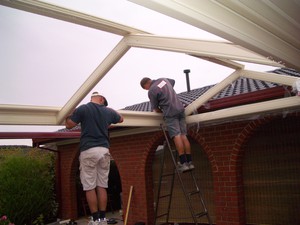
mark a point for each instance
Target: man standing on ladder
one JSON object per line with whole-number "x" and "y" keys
{"x": 163, "y": 98}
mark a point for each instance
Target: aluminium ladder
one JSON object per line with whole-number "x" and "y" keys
{"x": 188, "y": 195}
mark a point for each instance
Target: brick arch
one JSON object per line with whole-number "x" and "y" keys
{"x": 157, "y": 140}
{"x": 235, "y": 164}
{"x": 245, "y": 135}
{"x": 238, "y": 150}
{"x": 206, "y": 148}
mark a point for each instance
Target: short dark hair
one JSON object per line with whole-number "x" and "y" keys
{"x": 144, "y": 81}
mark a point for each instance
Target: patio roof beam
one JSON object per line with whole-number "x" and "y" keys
{"x": 16, "y": 115}
{"x": 215, "y": 49}
{"x": 27, "y": 115}
{"x": 223, "y": 62}
{"x": 270, "y": 77}
{"x": 269, "y": 28}
{"x": 112, "y": 58}
{"x": 212, "y": 92}
{"x": 273, "y": 106}
{"x": 140, "y": 119}
{"x": 68, "y": 15}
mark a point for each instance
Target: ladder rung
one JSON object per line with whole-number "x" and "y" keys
{"x": 161, "y": 215}
{"x": 198, "y": 215}
{"x": 186, "y": 171}
{"x": 194, "y": 192}
{"x": 164, "y": 196}
{"x": 167, "y": 174}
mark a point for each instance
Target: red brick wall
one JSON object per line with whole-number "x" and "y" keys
{"x": 134, "y": 154}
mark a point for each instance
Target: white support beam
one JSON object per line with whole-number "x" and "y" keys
{"x": 222, "y": 50}
{"x": 273, "y": 106}
{"x": 200, "y": 48}
{"x": 93, "y": 80}
{"x": 212, "y": 92}
{"x": 41, "y": 115}
{"x": 270, "y": 77}
{"x": 269, "y": 28}
{"x": 140, "y": 119}
{"x": 223, "y": 62}
{"x": 27, "y": 115}
{"x": 68, "y": 15}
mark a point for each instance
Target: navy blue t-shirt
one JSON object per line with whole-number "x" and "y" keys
{"x": 94, "y": 120}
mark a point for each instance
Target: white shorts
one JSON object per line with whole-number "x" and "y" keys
{"x": 94, "y": 167}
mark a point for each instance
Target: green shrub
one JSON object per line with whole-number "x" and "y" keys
{"x": 27, "y": 188}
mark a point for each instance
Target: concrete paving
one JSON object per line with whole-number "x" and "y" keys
{"x": 116, "y": 216}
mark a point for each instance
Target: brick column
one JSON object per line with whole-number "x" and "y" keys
{"x": 68, "y": 193}
{"x": 134, "y": 156}
{"x": 218, "y": 143}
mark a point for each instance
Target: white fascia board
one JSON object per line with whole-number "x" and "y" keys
{"x": 214, "y": 49}
{"x": 221, "y": 18}
{"x": 273, "y": 106}
{"x": 28, "y": 115}
{"x": 270, "y": 77}
{"x": 212, "y": 92}
{"x": 112, "y": 58}
{"x": 68, "y": 15}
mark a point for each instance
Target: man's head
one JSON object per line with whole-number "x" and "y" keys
{"x": 146, "y": 83}
{"x": 99, "y": 98}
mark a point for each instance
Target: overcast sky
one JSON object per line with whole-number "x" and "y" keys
{"x": 44, "y": 61}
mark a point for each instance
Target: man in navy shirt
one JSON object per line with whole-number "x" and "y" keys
{"x": 163, "y": 98}
{"x": 95, "y": 118}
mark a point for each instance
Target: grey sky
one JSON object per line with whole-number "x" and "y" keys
{"x": 44, "y": 61}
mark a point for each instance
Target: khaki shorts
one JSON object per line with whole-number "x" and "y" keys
{"x": 94, "y": 168}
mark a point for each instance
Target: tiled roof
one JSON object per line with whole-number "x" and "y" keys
{"x": 240, "y": 86}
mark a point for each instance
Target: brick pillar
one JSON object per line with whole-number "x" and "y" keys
{"x": 218, "y": 143}
{"x": 68, "y": 164}
{"x": 134, "y": 155}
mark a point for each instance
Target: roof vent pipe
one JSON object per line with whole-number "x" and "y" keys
{"x": 187, "y": 79}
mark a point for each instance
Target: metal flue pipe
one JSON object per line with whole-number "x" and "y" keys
{"x": 187, "y": 71}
